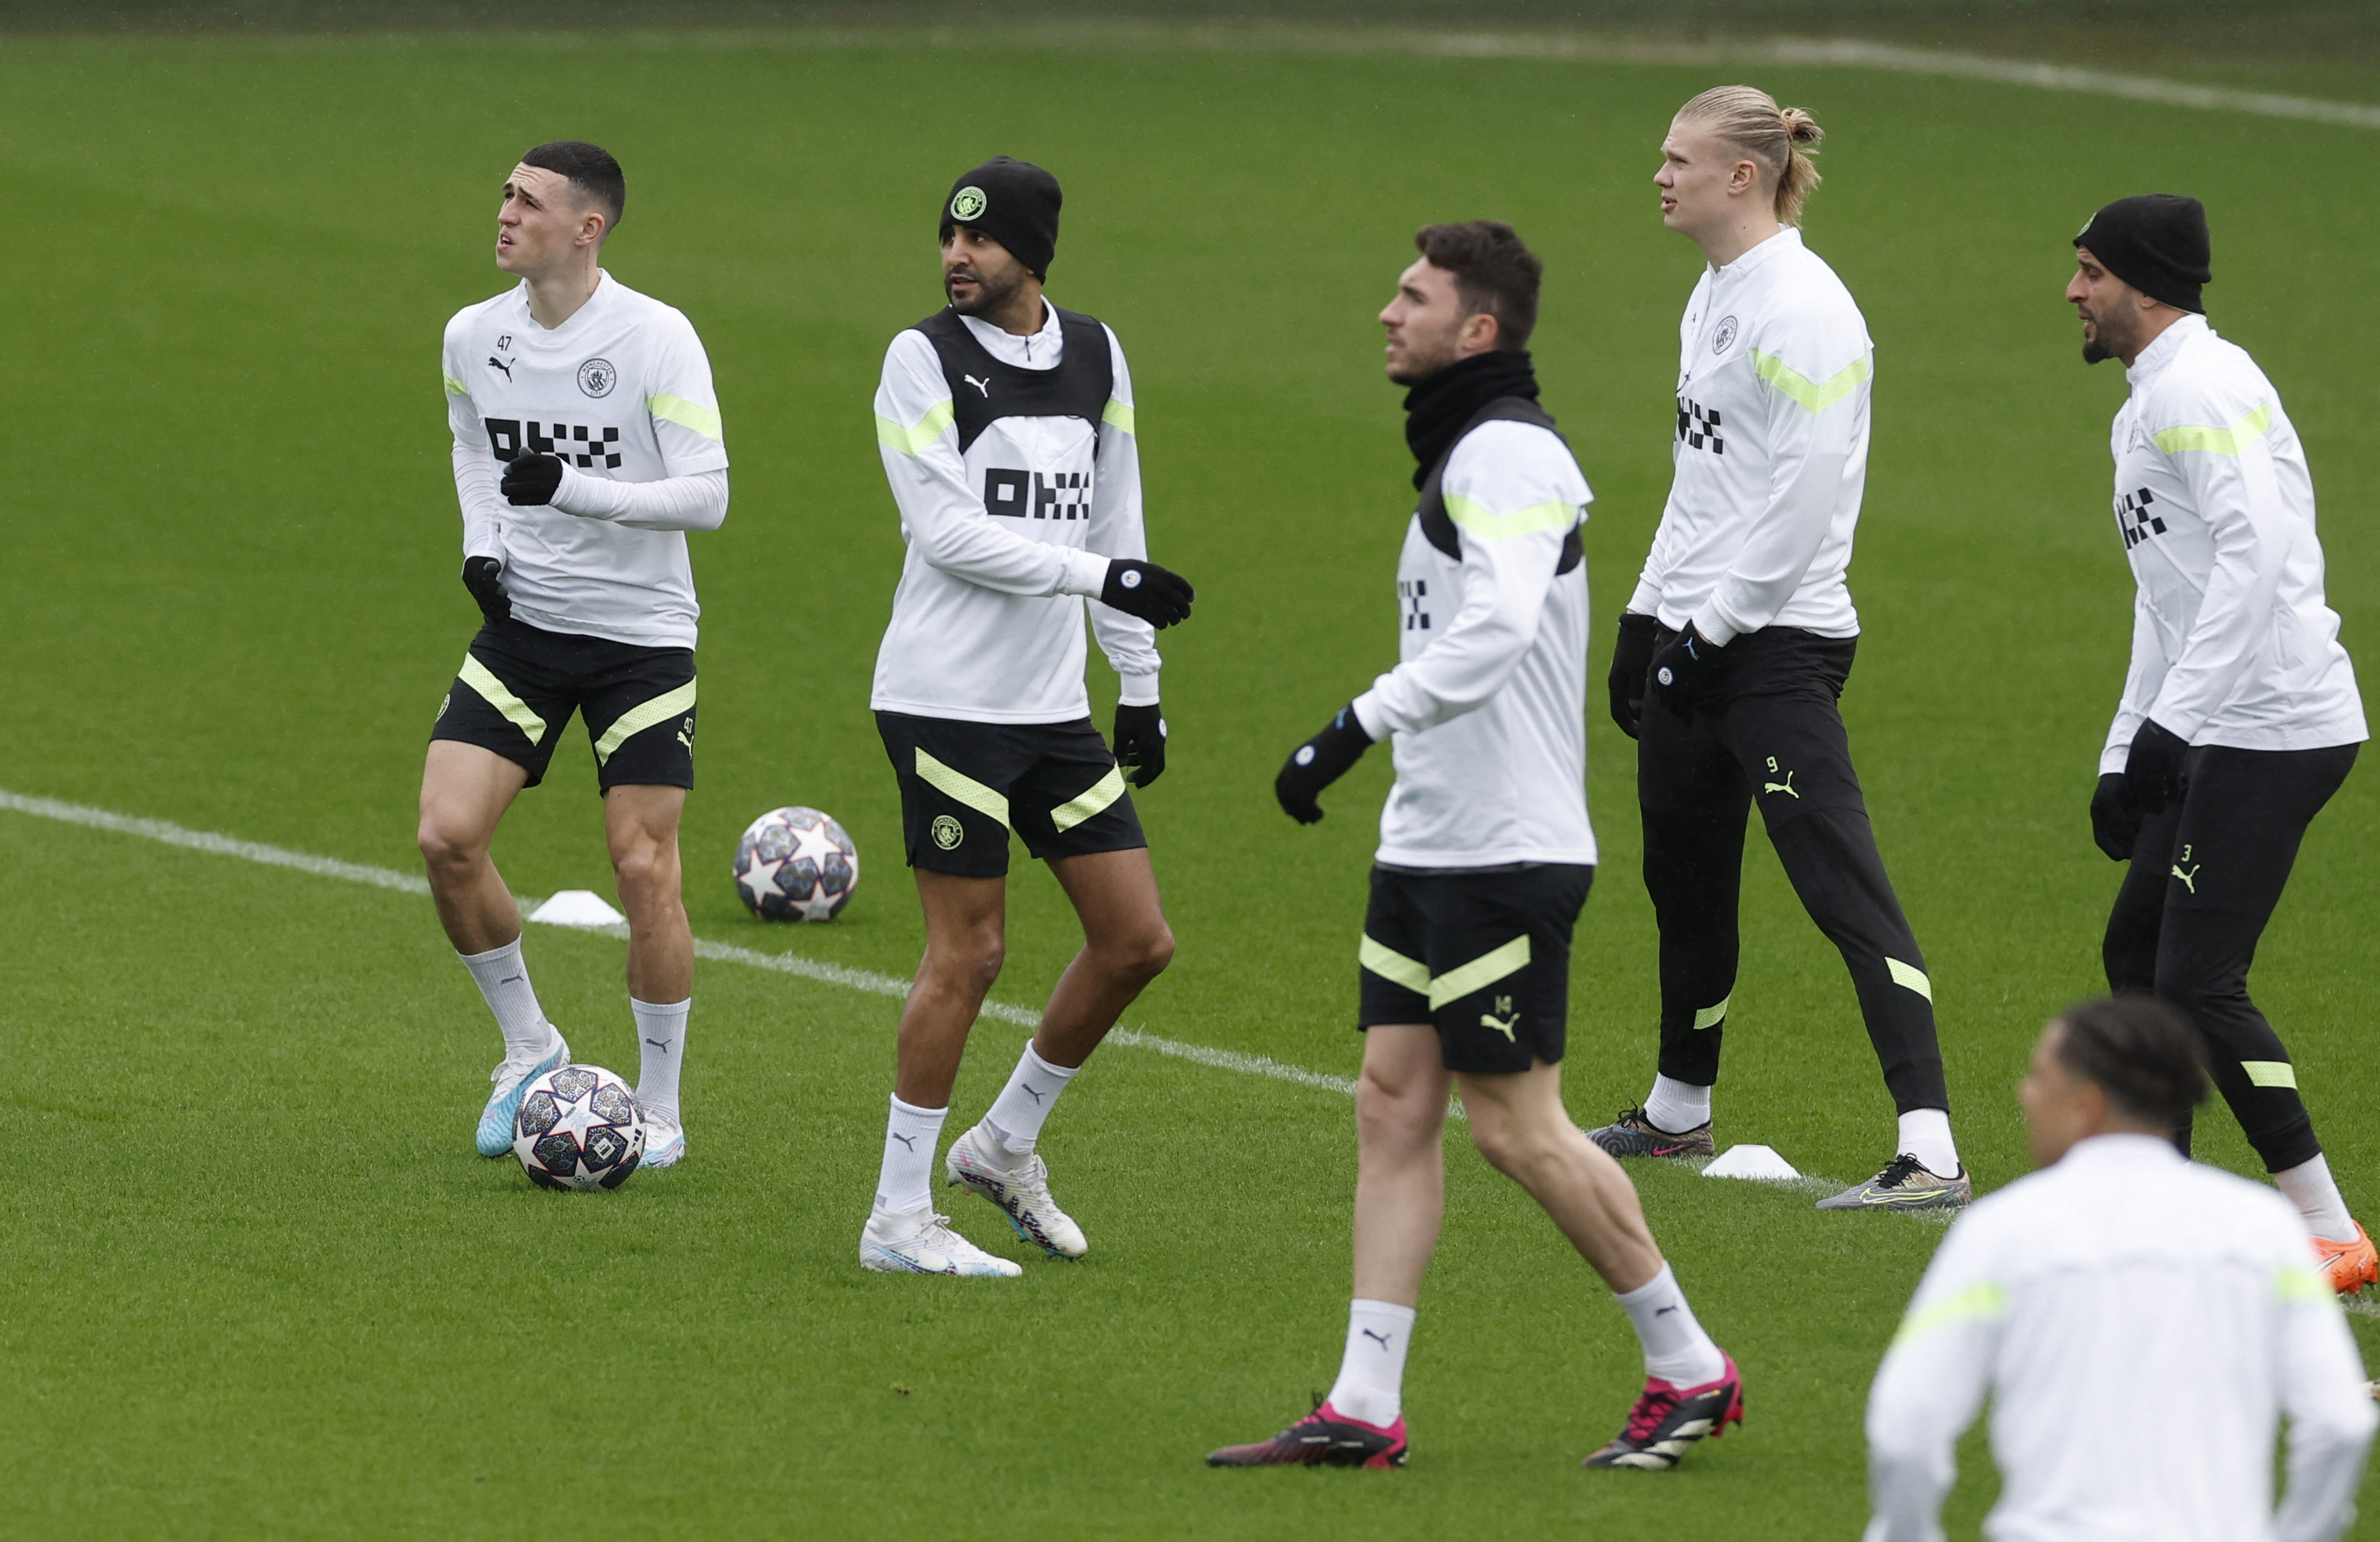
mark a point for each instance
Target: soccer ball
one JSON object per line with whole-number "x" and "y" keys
{"x": 578, "y": 1128}
{"x": 796, "y": 865}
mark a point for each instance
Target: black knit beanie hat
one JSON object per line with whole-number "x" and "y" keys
{"x": 2157, "y": 243}
{"x": 1015, "y": 202}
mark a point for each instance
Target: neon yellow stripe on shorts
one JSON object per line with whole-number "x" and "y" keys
{"x": 961, "y": 787}
{"x": 496, "y": 693}
{"x": 1102, "y": 793}
{"x": 635, "y": 720}
{"x": 1394, "y": 966}
{"x": 1480, "y": 972}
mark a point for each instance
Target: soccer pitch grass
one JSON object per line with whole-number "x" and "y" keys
{"x": 254, "y": 1280}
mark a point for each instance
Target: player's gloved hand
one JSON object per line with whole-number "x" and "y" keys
{"x": 1143, "y": 590}
{"x": 1683, "y": 669}
{"x": 1318, "y": 763}
{"x": 1140, "y": 742}
{"x": 2153, "y": 772}
{"x": 532, "y": 478}
{"x": 2115, "y": 818}
{"x": 482, "y": 576}
{"x": 1632, "y": 664}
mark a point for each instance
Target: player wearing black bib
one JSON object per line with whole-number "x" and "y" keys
{"x": 1007, "y": 431}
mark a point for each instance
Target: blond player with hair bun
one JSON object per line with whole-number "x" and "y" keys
{"x": 1739, "y": 639}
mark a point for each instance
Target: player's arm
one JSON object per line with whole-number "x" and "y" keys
{"x": 2328, "y": 1402}
{"x": 474, "y": 490}
{"x": 1930, "y": 1388}
{"x": 2228, "y": 461}
{"x": 1510, "y": 507}
{"x": 1117, "y": 530}
{"x": 685, "y": 411}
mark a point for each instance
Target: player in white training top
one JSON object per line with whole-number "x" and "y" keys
{"x": 1007, "y": 431}
{"x": 1485, "y": 855}
{"x": 587, "y": 444}
{"x": 1739, "y": 638}
{"x": 2240, "y": 717}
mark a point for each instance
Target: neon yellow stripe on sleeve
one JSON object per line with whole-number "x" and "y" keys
{"x": 1487, "y": 525}
{"x": 1817, "y": 395}
{"x": 913, "y": 441}
{"x": 2217, "y": 442}
{"x": 1119, "y": 414}
{"x": 455, "y": 387}
{"x": 687, "y": 415}
{"x": 1978, "y": 1303}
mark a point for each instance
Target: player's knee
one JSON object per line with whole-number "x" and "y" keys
{"x": 645, "y": 870}
{"x": 970, "y": 966}
{"x": 1394, "y": 1113}
{"x": 447, "y": 849}
{"x": 1150, "y": 951}
{"x": 1510, "y": 1145}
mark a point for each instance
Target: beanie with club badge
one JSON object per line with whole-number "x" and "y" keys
{"x": 2157, "y": 243}
{"x": 1015, "y": 202}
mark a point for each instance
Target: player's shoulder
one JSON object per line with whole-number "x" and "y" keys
{"x": 2211, "y": 382}
{"x": 498, "y": 306}
{"x": 1514, "y": 458}
{"x": 642, "y": 310}
{"x": 1807, "y": 305}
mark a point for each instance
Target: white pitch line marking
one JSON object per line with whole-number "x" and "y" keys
{"x": 784, "y": 964}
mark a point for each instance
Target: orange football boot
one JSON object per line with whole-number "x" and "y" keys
{"x": 2349, "y": 1266}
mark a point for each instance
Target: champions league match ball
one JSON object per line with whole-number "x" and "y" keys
{"x": 578, "y": 1128}
{"x": 796, "y": 865}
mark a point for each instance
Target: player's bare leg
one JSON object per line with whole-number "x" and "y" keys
{"x": 1400, "y": 1161}
{"x": 966, "y": 943}
{"x": 1125, "y": 945}
{"x": 464, "y": 790}
{"x": 640, "y": 825}
{"x": 1520, "y": 1126}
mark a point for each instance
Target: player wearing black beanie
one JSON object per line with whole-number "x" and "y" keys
{"x": 1016, "y": 203}
{"x": 2157, "y": 243}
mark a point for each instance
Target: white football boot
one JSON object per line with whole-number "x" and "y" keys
{"x": 495, "y": 1134}
{"x": 664, "y": 1136}
{"x": 922, "y": 1243}
{"x": 1022, "y": 1194}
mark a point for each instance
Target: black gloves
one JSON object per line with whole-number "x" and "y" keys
{"x": 1318, "y": 763}
{"x": 1147, "y": 590}
{"x": 532, "y": 478}
{"x": 1632, "y": 661}
{"x": 1140, "y": 742}
{"x": 2153, "y": 772}
{"x": 480, "y": 577}
{"x": 1682, "y": 668}
{"x": 2115, "y": 818}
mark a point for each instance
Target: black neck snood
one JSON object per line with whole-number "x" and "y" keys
{"x": 1440, "y": 402}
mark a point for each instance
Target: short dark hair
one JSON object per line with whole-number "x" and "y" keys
{"x": 591, "y": 170}
{"x": 2146, "y": 1056}
{"x": 1494, "y": 271}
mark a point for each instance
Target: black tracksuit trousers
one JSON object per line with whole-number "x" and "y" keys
{"x": 2206, "y": 872}
{"x": 1770, "y": 727}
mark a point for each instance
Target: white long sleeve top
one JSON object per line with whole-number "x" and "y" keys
{"x": 988, "y": 619}
{"x": 622, "y": 392}
{"x": 1487, "y": 704}
{"x": 2233, "y": 640}
{"x": 2141, "y": 1323}
{"x": 1774, "y": 371}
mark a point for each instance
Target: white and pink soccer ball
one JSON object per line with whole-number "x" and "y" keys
{"x": 796, "y": 865}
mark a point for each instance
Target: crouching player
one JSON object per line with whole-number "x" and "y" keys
{"x": 1485, "y": 855}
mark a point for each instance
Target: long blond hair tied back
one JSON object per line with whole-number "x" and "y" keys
{"x": 1780, "y": 140}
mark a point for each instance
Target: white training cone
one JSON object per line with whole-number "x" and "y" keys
{"x": 1760, "y": 1162}
{"x": 576, "y": 907}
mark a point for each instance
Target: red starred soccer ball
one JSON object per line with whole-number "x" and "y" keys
{"x": 796, "y": 865}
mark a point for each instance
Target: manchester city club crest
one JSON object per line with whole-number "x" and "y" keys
{"x": 1725, "y": 337}
{"x": 967, "y": 202}
{"x": 596, "y": 377}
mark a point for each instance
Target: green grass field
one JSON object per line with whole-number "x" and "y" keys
{"x": 252, "y": 1281}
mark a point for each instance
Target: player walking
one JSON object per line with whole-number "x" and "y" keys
{"x": 587, "y": 444}
{"x": 1743, "y": 625}
{"x": 2118, "y": 1265}
{"x": 1485, "y": 855}
{"x": 2240, "y": 716}
{"x": 1007, "y": 432}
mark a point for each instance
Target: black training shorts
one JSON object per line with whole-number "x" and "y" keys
{"x": 519, "y": 685}
{"x": 964, "y": 786}
{"x": 1484, "y": 956}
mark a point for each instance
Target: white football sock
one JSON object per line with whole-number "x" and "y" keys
{"x": 1925, "y": 1135}
{"x": 1033, "y": 1087}
{"x": 661, "y": 1048}
{"x": 905, "y": 1183}
{"x": 1372, "y": 1373}
{"x": 1676, "y": 1348}
{"x": 503, "y": 981}
{"x": 2312, "y": 1189}
{"x": 1677, "y": 1107}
